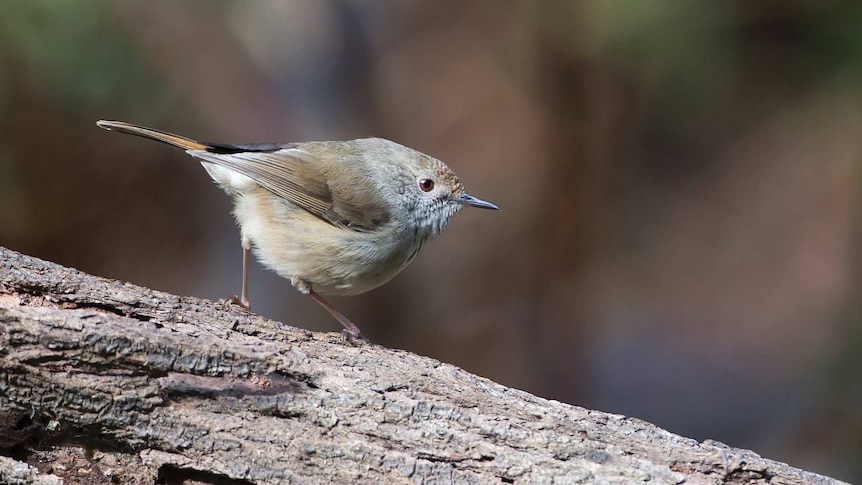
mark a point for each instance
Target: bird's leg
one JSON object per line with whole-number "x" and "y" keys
{"x": 243, "y": 300}
{"x": 351, "y": 331}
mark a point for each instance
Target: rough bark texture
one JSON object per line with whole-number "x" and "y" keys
{"x": 107, "y": 382}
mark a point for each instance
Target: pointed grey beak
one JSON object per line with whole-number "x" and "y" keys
{"x": 467, "y": 199}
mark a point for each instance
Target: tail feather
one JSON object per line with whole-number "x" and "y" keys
{"x": 169, "y": 138}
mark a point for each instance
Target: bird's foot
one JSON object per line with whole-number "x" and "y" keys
{"x": 242, "y": 303}
{"x": 353, "y": 337}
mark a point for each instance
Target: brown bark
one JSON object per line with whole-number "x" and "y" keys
{"x": 106, "y": 382}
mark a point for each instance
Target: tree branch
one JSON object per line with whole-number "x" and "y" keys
{"x": 115, "y": 383}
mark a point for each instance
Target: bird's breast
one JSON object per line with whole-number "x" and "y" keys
{"x": 332, "y": 259}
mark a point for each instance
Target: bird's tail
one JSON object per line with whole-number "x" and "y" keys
{"x": 170, "y": 139}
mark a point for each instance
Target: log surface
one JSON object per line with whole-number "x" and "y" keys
{"x": 106, "y": 382}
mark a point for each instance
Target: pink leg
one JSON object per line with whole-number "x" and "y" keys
{"x": 243, "y": 300}
{"x": 351, "y": 331}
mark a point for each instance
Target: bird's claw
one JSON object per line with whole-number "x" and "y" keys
{"x": 353, "y": 337}
{"x": 235, "y": 300}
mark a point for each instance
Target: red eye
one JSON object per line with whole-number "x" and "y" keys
{"x": 427, "y": 185}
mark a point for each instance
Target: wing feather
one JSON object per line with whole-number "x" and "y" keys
{"x": 296, "y": 175}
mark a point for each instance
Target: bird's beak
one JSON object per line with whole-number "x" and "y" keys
{"x": 467, "y": 199}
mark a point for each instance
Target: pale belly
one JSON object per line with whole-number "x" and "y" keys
{"x": 316, "y": 255}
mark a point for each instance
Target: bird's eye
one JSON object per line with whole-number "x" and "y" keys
{"x": 427, "y": 185}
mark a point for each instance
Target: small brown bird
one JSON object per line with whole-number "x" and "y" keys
{"x": 333, "y": 217}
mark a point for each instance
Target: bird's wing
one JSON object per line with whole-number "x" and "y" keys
{"x": 288, "y": 172}
{"x": 295, "y": 175}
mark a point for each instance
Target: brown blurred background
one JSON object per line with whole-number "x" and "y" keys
{"x": 680, "y": 186}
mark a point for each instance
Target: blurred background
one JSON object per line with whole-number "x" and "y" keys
{"x": 680, "y": 232}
